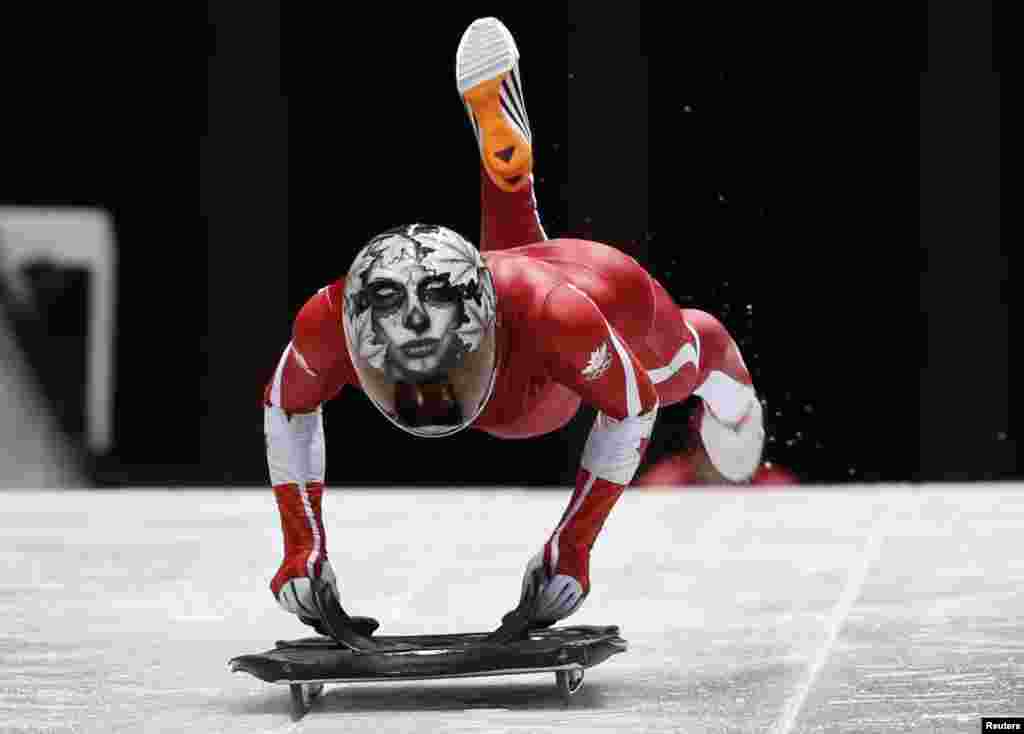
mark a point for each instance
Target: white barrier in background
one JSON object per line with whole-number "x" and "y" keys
{"x": 77, "y": 238}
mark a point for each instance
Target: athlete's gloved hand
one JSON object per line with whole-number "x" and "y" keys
{"x": 295, "y": 592}
{"x": 292, "y": 585}
{"x": 557, "y": 579}
{"x": 551, "y": 592}
{"x": 305, "y": 559}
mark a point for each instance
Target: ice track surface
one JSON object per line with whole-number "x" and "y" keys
{"x": 820, "y": 610}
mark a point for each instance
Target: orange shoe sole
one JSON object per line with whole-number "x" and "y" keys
{"x": 507, "y": 156}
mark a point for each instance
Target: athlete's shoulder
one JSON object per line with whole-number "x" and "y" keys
{"x": 569, "y": 313}
{"x": 521, "y": 283}
{"x": 317, "y": 335}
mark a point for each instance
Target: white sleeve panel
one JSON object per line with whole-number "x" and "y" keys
{"x": 296, "y": 449}
{"x": 613, "y": 448}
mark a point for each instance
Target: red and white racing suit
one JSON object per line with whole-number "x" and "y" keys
{"x": 578, "y": 322}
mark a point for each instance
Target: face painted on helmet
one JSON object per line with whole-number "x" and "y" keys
{"x": 414, "y": 313}
{"x": 419, "y": 320}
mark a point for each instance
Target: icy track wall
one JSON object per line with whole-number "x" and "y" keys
{"x": 32, "y": 453}
{"x": 36, "y": 450}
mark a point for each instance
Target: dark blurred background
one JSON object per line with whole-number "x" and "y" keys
{"x": 840, "y": 217}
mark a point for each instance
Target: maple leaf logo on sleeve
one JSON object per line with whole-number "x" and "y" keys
{"x": 600, "y": 361}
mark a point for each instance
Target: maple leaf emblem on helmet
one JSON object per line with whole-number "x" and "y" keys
{"x": 600, "y": 361}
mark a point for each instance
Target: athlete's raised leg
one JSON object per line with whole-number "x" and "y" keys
{"x": 488, "y": 80}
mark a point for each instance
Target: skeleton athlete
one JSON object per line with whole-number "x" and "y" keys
{"x": 509, "y": 339}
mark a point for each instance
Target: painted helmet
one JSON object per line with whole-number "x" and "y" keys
{"x": 419, "y": 319}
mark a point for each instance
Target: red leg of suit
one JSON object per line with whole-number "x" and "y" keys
{"x": 673, "y": 329}
{"x": 507, "y": 219}
{"x": 510, "y": 220}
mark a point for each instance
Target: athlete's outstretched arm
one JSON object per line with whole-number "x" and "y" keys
{"x": 313, "y": 369}
{"x": 587, "y": 355}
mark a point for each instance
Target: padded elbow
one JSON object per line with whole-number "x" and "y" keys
{"x": 295, "y": 446}
{"x": 614, "y": 448}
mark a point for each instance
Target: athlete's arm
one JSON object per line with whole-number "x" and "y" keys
{"x": 310, "y": 372}
{"x": 313, "y": 369}
{"x": 586, "y": 354}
